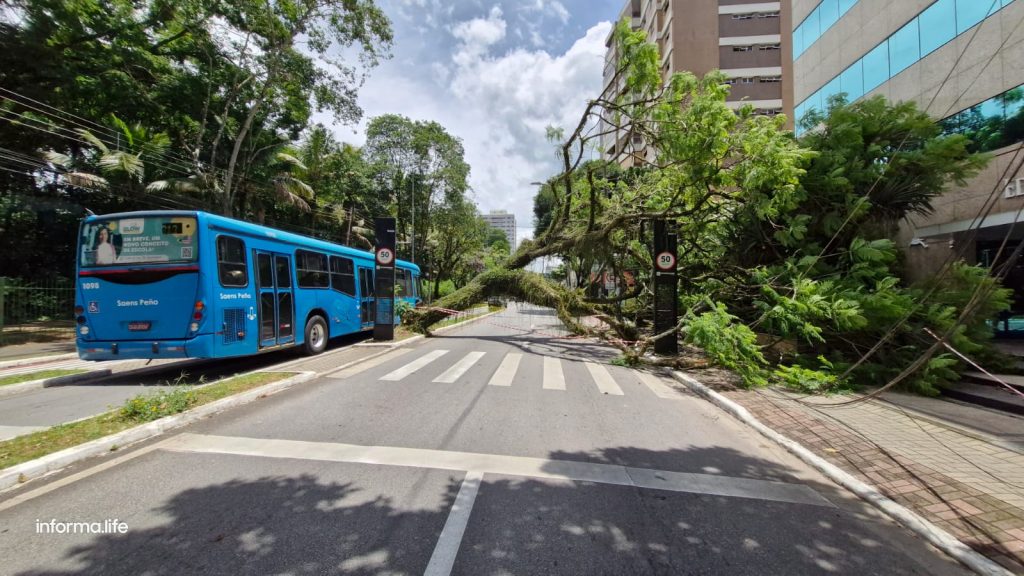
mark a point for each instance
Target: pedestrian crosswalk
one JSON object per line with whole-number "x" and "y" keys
{"x": 511, "y": 369}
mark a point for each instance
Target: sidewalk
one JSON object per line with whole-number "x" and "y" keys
{"x": 919, "y": 452}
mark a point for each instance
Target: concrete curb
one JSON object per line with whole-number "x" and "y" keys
{"x": 12, "y": 389}
{"x": 909, "y": 519}
{"x": 51, "y": 462}
{"x": 419, "y": 337}
{"x": 38, "y": 360}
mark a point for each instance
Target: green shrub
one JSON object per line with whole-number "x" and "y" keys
{"x": 147, "y": 407}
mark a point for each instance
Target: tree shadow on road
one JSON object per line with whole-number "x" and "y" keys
{"x": 301, "y": 524}
{"x": 272, "y": 525}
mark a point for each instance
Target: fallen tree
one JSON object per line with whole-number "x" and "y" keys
{"x": 784, "y": 243}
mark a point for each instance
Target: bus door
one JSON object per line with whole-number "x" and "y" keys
{"x": 366, "y": 299}
{"x": 277, "y": 303}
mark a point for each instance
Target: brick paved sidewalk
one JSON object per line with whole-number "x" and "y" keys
{"x": 972, "y": 488}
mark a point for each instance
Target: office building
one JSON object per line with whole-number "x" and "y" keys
{"x": 505, "y": 222}
{"x": 746, "y": 40}
{"x": 962, "y": 61}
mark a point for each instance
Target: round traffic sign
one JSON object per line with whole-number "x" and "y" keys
{"x": 665, "y": 261}
{"x": 385, "y": 256}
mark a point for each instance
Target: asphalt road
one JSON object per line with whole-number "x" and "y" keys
{"x": 495, "y": 449}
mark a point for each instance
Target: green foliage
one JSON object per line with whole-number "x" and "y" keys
{"x": 148, "y": 407}
{"x": 624, "y": 360}
{"x": 728, "y": 342}
{"x": 810, "y": 380}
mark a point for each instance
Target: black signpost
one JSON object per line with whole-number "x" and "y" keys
{"x": 384, "y": 279}
{"x": 666, "y": 287}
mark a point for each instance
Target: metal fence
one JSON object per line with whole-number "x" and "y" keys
{"x": 34, "y": 311}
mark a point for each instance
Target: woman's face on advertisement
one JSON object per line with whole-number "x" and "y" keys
{"x": 103, "y": 235}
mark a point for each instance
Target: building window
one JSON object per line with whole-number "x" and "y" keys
{"x": 231, "y": 266}
{"x": 766, "y": 47}
{"x": 742, "y": 16}
{"x": 931, "y": 29}
{"x": 767, "y": 15}
{"x": 770, "y": 79}
{"x": 742, "y": 48}
{"x": 992, "y": 124}
{"x": 746, "y": 80}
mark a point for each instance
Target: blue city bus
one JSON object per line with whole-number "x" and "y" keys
{"x": 188, "y": 284}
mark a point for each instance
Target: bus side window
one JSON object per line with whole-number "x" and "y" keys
{"x": 312, "y": 269}
{"x": 343, "y": 277}
{"x": 231, "y": 266}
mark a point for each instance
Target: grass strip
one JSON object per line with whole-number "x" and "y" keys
{"x": 40, "y": 375}
{"x": 39, "y": 444}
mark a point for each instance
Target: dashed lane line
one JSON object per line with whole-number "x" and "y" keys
{"x": 459, "y": 368}
{"x": 365, "y": 365}
{"x": 447, "y": 547}
{"x": 554, "y": 379}
{"x": 506, "y": 371}
{"x": 605, "y": 383}
{"x": 413, "y": 366}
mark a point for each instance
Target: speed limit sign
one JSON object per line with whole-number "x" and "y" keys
{"x": 385, "y": 256}
{"x": 665, "y": 261}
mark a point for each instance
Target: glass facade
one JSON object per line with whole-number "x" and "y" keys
{"x": 817, "y": 23}
{"x": 992, "y": 124}
{"x": 932, "y": 28}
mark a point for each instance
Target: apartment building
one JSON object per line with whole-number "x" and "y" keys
{"x": 748, "y": 41}
{"x": 505, "y": 222}
{"x": 962, "y": 61}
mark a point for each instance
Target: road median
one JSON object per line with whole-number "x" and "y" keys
{"x": 32, "y": 455}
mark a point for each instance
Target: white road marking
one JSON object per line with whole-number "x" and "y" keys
{"x": 605, "y": 383}
{"x": 660, "y": 389}
{"x": 414, "y": 365}
{"x": 447, "y": 547}
{"x": 366, "y": 365}
{"x": 459, "y": 368}
{"x": 498, "y": 464}
{"x": 554, "y": 379}
{"x": 507, "y": 370}
{"x": 8, "y": 432}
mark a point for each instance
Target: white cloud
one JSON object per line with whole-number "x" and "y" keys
{"x": 499, "y": 104}
{"x": 552, "y": 8}
{"x": 479, "y": 34}
{"x": 515, "y": 97}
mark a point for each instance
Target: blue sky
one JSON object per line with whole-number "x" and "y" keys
{"x": 494, "y": 74}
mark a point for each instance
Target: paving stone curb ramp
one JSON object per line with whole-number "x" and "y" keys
{"x": 20, "y": 387}
{"x": 920, "y": 526}
{"x": 35, "y": 468}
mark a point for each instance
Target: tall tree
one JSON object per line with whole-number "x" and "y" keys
{"x": 421, "y": 164}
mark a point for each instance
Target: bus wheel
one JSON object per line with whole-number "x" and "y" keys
{"x": 316, "y": 336}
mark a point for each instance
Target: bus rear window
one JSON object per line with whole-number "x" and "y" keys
{"x": 138, "y": 240}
